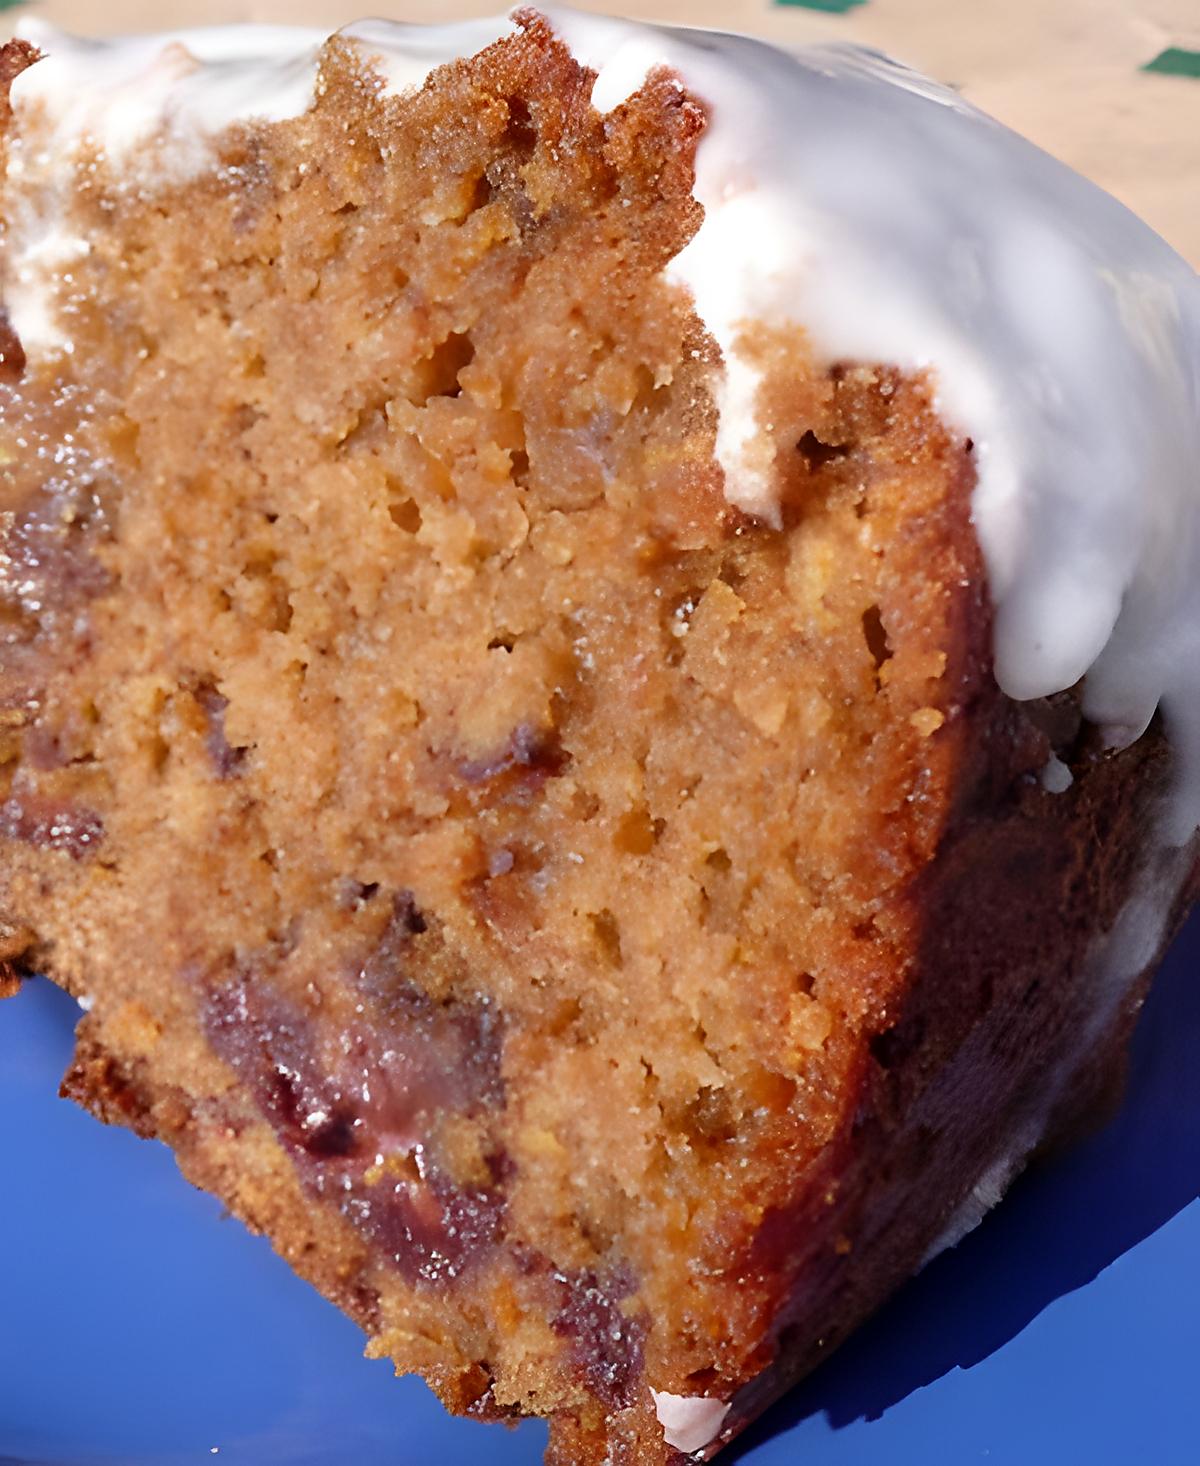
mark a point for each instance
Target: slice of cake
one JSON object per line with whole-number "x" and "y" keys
{"x": 601, "y": 671}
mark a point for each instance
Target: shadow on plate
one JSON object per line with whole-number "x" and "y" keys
{"x": 1062, "y": 1224}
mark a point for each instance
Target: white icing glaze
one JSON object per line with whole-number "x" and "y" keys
{"x": 113, "y": 94}
{"x": 689, "y": 1422}
{"x": 184, "y": 86}
{"x": 107, "y": 98}
{"x": 893, "y": 223}
{"x": 1057, "y": 778}
{"x": 406, "y": 54}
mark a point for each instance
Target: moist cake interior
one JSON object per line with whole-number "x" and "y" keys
{"x": 488, "y": 857}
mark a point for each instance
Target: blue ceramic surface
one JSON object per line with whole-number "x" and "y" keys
{"x": 140, "y": 1327}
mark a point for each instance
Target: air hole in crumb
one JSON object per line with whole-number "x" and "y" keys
{"x": 608, "y": 936}
{"x": 876, "y": 637}
{"x": 637, "y": 833}
{"x": 597, "y": 1234}
{"x": 160, "y": 752}
{"x": 405, "y": 515}
{"x": 701, "y": 1381}
{"x": 647, "y": 391}
{"x": 584, "y": 804}
{"x": 708, "y": 1118}
{"x": 505, "y": 642}
{"x": 352, "y": 894}
{"x": 484, "y": 192}
{"x": 267, "y": 600}
{"x": 520, "y": 467}
{"x": 566, "y": 1013}
{"x": 333, "y": 1138}
{"x": 439, "y": 371}
{"x": 817, "y": 454}
{"x": 770, "y": 1091}
{"x": 520, "y": 133}
{"x": 12, "y": 353}
{"x": 732, "y": 574}
{"x": 719, "y": 860}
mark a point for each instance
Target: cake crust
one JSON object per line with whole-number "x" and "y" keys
{"x": 603, "y": 939}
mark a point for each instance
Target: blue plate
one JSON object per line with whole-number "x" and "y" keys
{"x": 141, "y": 1327}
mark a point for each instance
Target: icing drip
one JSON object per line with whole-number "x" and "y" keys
{"x": 895, "y": 223}
{"x": 882, "y": 215}
{"x": 689, "y": 1422}
{"x": 111, "y": 95}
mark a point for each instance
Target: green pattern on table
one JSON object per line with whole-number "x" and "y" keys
{"x": 831, "y": 7}
{"x": 1175, "y": 61}
{"x": 10, "y": 4}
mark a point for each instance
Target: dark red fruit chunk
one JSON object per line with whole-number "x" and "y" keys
{"x": 359, "y": 1110}
{"x": 605, "y": 1341}
{"x": 36, "y": 820}
{"x": 226, "y": 759}
{"x": 531, "y": 756}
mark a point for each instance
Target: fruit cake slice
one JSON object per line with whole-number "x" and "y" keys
{"x": 583, "y": 615}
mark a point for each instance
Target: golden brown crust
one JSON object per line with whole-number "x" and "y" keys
{"x": 995, "y": 1050}
{"x": 15, "y": 57}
